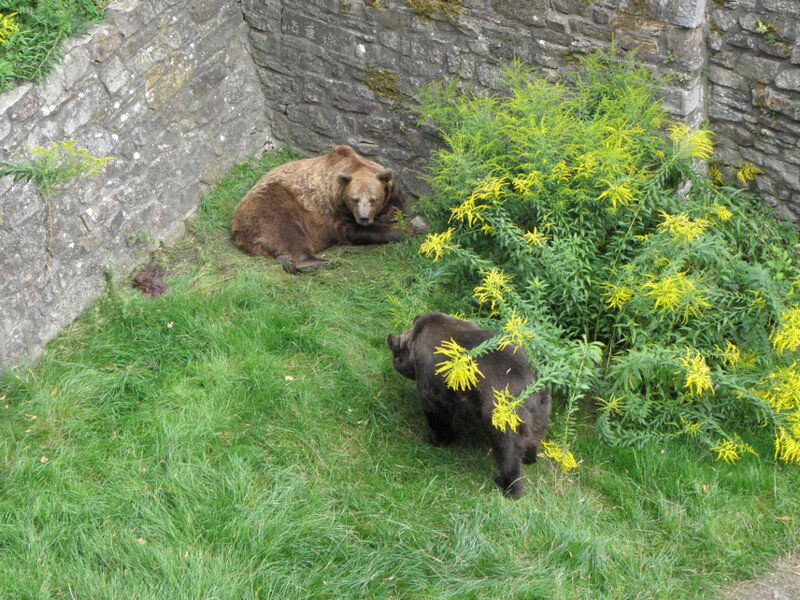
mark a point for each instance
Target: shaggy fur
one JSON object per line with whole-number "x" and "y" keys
{"x": 413, "y": 356}
{"x": 305, "y": 206}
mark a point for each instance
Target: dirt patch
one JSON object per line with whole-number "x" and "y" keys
{"x": 782, "y": 583}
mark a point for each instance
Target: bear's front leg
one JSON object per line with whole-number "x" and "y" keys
{"x": 376, "y": 233}
{"x": 439, "y": 418}
{"x": 510, "y": 466}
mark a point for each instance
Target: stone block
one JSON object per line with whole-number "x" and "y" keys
{"x": 726, "y": 77}
{"x": 528, "y": 12}
{"x": 686, "y": 13}
{"x": 757, "y": 68}
{"x": 789, "y": 79}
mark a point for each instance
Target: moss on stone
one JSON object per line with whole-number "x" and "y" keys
{"x": 425, "y": 8}
{"x": 383, "y": 83}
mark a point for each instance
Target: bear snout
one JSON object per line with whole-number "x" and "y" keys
{"x": 364, "y": 220}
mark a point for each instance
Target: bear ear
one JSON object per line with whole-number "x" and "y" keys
{"x": 386, "y": 175}
{"x": 344, "y": 178}
{"x": 393, "y": 342}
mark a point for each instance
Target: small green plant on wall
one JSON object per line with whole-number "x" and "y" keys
{"x": 564, "y": 222}
{"x": 49, "y": 168}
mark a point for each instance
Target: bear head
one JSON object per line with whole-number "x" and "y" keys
{"x": 365, "y": 193}
{"x": 402, "y": 360}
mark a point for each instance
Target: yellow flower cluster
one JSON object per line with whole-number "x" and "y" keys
{"x": 495, "y": 286}
{"x": 696, "y": 144}
{"x": 697, "y": 373}
{"x": 618, "y": 295}
{"x": 490, "y": 188}
{"x": 562, "y": 456}
{"x": 514, "y": 332}
{"x": 613, "y": 406}
{"x": 460, "y": 370}
{"x": 535, "y": 237}
{"x": 468, "y": 211}
{"x": 505, "y": 410}
{"x": 783, "y": 392}
{"x": 523, "y": 184}
{"x": 787, "y": 447}
{"x": 677, "y": 292}
{"x": 731, "y": 355}
{"x": 683, "y": 227}
{"x": 618, "y": 192}
{"x": 787, "y": 335}
{"x": 731, "y": 451}
{"x": 7, "y": 27}
{"x": 721, "y": 212}
{"x": 436, "y": 244}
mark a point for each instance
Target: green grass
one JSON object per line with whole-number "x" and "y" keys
{"x": 32, "y": 36}
{"x": 245, "y": 436}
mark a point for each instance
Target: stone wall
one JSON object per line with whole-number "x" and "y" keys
{"x": 347, "y": 70}
{"x": 754, "y": 94}
{"x": 168, "y": 90}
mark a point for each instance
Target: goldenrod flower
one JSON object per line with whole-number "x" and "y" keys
{"x": 787, "y": 447}
{"x": 613, "y": 406}
{"x": 617, "y": 192}
{"x": 490, "y": 188}
{"x": 524, "y": 183}
{"x": 715, "y": 174}
{"x": 758, "y": 299}
{"x": 642, "y": 238}
{"x": 535, "y": 237}
{"x": 562, "y": 456}
{"x": 505, "y": 410}
{"x": 697, "y": 373}
{"x": 618, "y": 295}
{"x": 787, "y": 335}
{"x": 722, "y": 212}
{"x": 696, "y": 144}
{"x": 560, "y": 172}
{"x": 495, "y": 286}
{"x": 7, "y": 27}
{"x": 783, "y": 392}
{"x": 460, "y": 370}
{"x": 587, "y": 165}
{"x": 689, "y": 428}
{"x": 436, "y": 244}
{"x": 468, "y": 211}
{"x": 514, "y": 332}
{"x": 681, "y": 226}
{"x": 726, "y": 450}
{"x": 731, "y": 356}
{"x": 747, "y": 172}
{"x": 731, "y": 451}
{"x": 677, "y": 293}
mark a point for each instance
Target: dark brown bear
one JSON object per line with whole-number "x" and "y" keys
{"x": 307, "y": 205}
{"x": 413, "y": 355}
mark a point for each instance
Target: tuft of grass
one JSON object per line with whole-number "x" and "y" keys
{"x": 32, "y": 33}
{"x": 245, "y": 436}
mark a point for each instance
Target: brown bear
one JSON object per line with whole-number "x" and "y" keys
{"x": 307, "y": 205}
{"x": 414, "y": 356}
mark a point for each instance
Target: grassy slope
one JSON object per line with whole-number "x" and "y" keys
{"x": 244, "y": 436}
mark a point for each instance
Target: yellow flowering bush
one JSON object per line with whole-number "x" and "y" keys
{"x": 583, "y": 229}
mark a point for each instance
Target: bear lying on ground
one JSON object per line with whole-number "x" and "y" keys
{"x": 307, "y": 205}
{"x": 413, "y": 356}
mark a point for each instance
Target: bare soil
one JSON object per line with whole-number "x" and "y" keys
{"x": 782, "y": 583}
